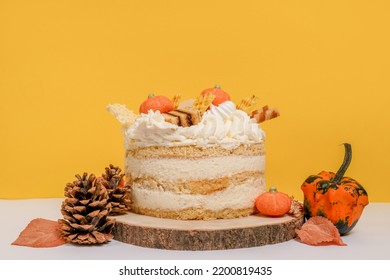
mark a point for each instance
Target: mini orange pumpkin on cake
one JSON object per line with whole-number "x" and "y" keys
{"x": 204, "y": 161}
{"x": 156, "y": 103}
{"x": 220, "y": 95}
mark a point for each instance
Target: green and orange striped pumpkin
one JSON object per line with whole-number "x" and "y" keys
{"x": 338, "y": 198}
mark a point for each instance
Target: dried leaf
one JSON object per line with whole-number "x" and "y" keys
{"x": 41, "y": 233}
{"x": 296, "y": 209}
{"x": 319, "y": 231}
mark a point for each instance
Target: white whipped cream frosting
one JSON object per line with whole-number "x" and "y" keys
{"x": 222, "y": 125}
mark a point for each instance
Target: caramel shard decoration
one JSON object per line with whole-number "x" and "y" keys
{"x": 264, "y": 114}
{"x": 176, "y": 100}
{"x": 203, "y": 102}
{"x": 248, "y": 103}
{"x": 125, "y": 116}
{"x": 183, "y": 117}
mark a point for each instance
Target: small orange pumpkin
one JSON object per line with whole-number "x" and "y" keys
{"x": 220, "y": 95}
{"x": 156, "y": 103}
{"x": 273, "y": 203}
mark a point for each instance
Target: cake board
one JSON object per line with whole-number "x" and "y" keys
{"x": 194, "y": 235}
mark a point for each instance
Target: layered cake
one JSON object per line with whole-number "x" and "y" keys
{"x": 193, "y": 163}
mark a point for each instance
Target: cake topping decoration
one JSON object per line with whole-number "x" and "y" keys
{"x": 248, "y": 103}
{"x": 225, "y": 110}
{"x": 186, "y": 104}
{"x": 156, "y": 103}
{"x": 222, "y": 125}
{"x": 220, "y": 95}
{"x": 176, "y": 100}
{"x": 264, "y": 114}
{"x": 203, "y": 102}
{"x": 209, "y": 119}
{"x": 183, "y": 117}
{"x": 125, "y": 116}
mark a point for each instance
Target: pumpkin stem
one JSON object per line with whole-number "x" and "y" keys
{"x": 343, "y": 168}
{"x": 217, "y": 86}
{"x": 150, "y": 95}
{"x": 273, "y": 189}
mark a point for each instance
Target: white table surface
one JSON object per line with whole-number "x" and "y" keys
{"x": 370, "y": 239}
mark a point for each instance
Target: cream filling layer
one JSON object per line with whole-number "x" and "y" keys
{"x": 192, "y": 169}
{"x": 234, "y": 197}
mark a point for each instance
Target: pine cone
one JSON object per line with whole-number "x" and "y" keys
{"x": 118, "y": 192}
{"x": 85, "y": 210}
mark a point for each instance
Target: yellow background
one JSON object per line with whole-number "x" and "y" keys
{"x": 324, "y": 64}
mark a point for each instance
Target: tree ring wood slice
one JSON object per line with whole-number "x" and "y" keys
{"x": 251, "y": 231}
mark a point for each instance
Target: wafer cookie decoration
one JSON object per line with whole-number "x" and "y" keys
{"x": 176, "y": 100}
{"x": 264, "y": 114}
{"x": 186, "y": 104}
{"x": 125, "y": 116}
{"x": 203, "y": 102}
{"x": 248, "y": 103}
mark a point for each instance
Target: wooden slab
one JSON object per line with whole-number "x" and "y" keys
{"x": 252, "y": 231}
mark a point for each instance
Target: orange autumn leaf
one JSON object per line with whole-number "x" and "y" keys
{"x": 40, "y": 233}
{"x": 319, "y": 231}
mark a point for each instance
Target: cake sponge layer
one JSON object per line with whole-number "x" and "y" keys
{"x": 170, "y": 169}
{"x": 195, "y": 213}
{"x": 191, "y": 182}
{"x": 192, "y": 152}
{"x": 234, "y": 197}
{"x": 206, "y": 186}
